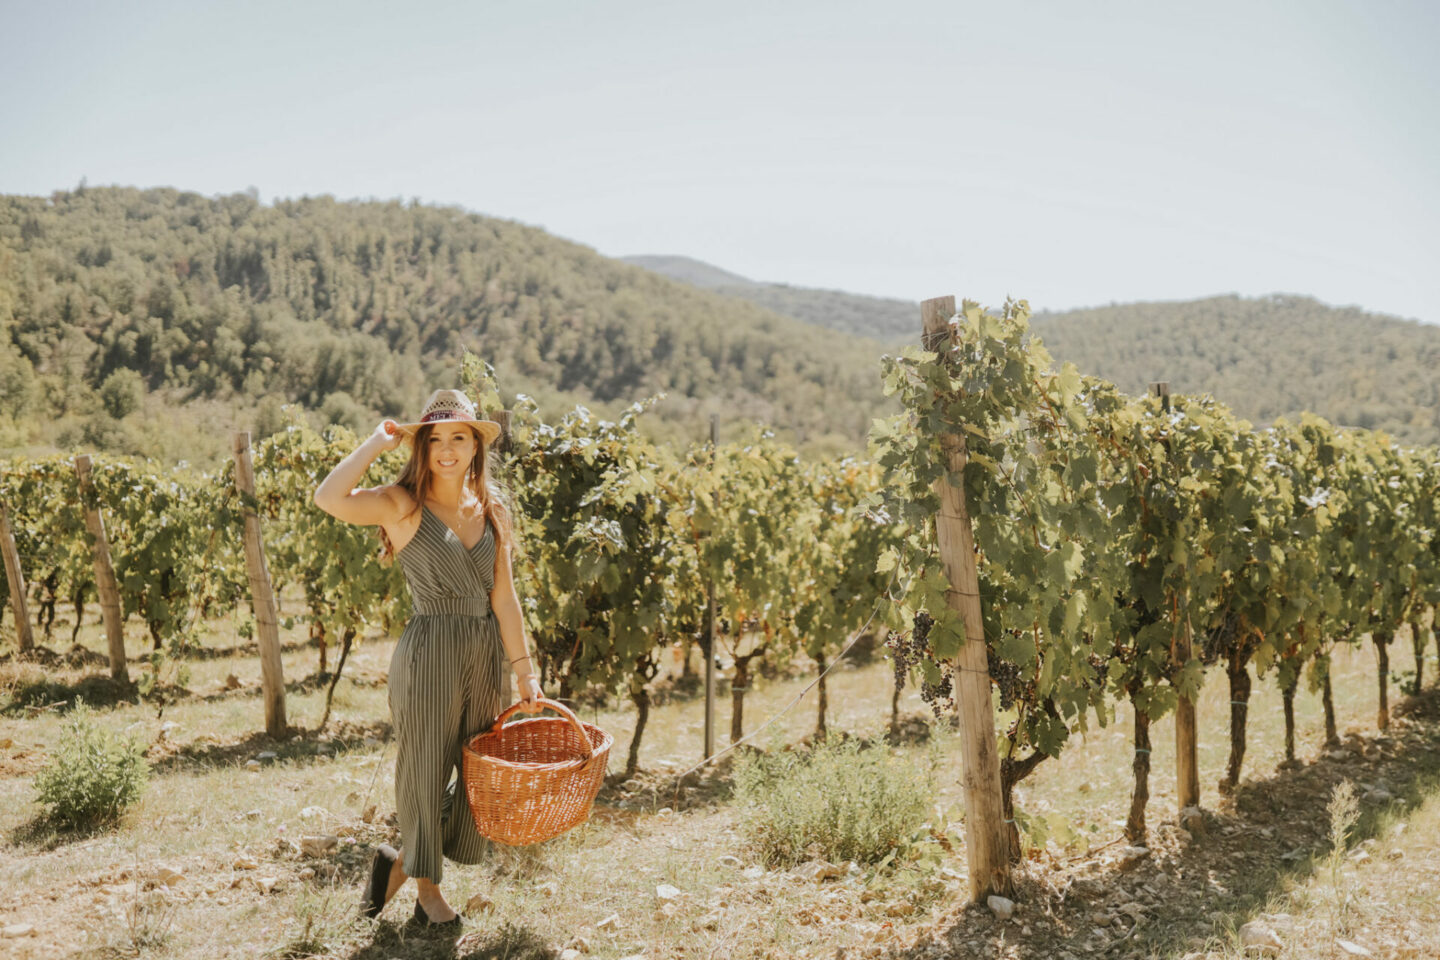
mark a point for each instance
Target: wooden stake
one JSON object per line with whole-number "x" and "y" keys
{"x": 105, "y": 583}
{"x": 985, "y": 835}
{"x": 1187, "y": 759}
{"x": 262, "y": 597}
{"x": 24, "y": 636}
{"x": 710, "y": 600}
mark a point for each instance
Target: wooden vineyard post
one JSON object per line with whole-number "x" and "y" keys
{"x": 710, "y": 603}
{"x": 985, "y": 836}
{"x": 1187, "y": 764}
{"x": 105, "y": 584}
{"x": 262, "y": 597}
{"x": 24, "y": 635}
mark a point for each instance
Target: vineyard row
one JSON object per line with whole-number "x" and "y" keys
{"x": 1109, "y": 549}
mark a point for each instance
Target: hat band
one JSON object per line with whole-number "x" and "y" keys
{"x": 443, "y": 415}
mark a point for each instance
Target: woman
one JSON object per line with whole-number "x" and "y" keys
{"x": 444, "y": 520}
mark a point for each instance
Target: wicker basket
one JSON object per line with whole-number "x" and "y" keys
{"x": 534, "y": 779}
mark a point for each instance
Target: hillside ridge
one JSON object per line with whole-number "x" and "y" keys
{"x": 697, "y": 273}
{"x": 1266, "y": 357}
{"x": 121, "y": 306}
{"x": 888, "y": 320}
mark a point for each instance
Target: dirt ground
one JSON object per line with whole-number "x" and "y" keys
{"x": 1189, "y": 895}
{"x": 214, "y": 861}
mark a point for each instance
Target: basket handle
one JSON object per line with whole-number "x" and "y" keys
{"x": 554, "y": 705}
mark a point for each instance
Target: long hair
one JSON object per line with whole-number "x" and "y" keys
{"x": 493, "y": 497}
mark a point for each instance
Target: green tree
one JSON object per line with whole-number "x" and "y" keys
{"x": 122, "y": 393}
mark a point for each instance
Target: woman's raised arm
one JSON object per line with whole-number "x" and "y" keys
{"x": 337, "y": 495}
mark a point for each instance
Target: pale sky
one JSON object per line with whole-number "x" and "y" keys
{"x": 1072, "y": 153}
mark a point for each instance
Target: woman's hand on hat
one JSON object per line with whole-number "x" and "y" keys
{"x": 389, "y": 435}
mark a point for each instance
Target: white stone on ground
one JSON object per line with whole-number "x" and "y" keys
{"x": 1001, "y": 907}
{"x": 1256, "y": 937}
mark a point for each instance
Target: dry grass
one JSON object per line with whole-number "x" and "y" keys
{"x": 1393, "y": 910}
{"x": 1376, "y": 894}
{"x": 205, "y": 811}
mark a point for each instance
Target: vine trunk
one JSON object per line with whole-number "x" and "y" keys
{"x": 1287, "y": 692}
{"x": 1382, "y": 653}
{"x": 1239, "y": 710}
{"x": 1135, "y": 825}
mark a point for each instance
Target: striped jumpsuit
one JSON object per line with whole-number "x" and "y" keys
{"x": 448, "y": 681}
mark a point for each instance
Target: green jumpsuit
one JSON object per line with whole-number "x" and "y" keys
{"x": 448, "y": 682}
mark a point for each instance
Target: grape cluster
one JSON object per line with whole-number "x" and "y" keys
{"x": 912, "y": 649}
{"x": 939, "y": 695}
{"x": 909, "y": 649}
{"x": 921, "y": 627}
{"x": 898, "y": 644}
{"x": 1006, "y": 676}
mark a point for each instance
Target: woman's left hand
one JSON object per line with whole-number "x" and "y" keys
{"x": 530, "y": 693}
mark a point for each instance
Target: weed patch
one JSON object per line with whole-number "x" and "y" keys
{"x": 843, "y": 800}
{"x": 92, "y": 775}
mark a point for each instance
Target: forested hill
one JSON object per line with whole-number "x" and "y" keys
{"x": 129, "y": 317}
{"x": 891, "y": 321}
{"x": 1265, "y": 357}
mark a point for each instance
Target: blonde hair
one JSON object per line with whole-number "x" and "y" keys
{"x": 492, "y": 495}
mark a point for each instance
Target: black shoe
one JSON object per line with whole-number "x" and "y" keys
{"x": 374, "y": 899}
{"x": 423, "y": 918}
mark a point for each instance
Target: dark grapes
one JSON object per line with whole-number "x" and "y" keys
{"x": 911, "y": 650}
{"x": 938, "y": 695}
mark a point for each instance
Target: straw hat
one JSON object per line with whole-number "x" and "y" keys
{"x": 451, "y": 405}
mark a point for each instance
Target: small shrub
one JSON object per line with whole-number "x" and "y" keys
{"x": 92, "y": 776}
{"x": 841, "y": 800}
{"x": 1344, "y": 812}
{"x": 149, "y": 920}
